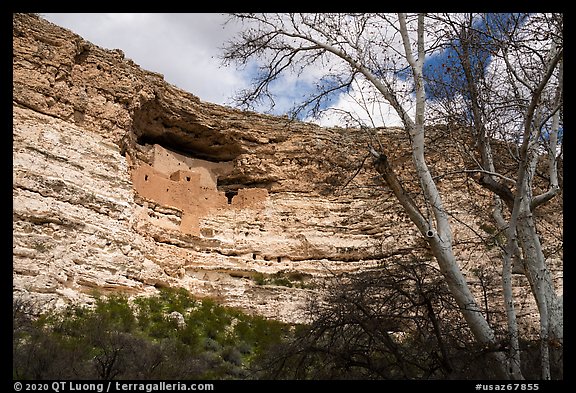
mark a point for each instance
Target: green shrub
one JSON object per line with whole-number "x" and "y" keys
{"x": 122, "y": 339}
{"x": 282, "y": 278}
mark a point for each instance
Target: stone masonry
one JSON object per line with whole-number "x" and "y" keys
{"x": 190, "y": 185}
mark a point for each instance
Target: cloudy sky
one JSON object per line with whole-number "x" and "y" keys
{"x": 182, "y": 47}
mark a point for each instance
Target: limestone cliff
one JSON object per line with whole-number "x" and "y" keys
{"x": 123, "y": 182}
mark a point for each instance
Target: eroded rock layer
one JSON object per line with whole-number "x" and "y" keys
{"x": 123, "y": 182}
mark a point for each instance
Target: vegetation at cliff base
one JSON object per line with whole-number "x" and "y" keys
{"x": 396, "y": 322}
{"x": 167, "y": 336}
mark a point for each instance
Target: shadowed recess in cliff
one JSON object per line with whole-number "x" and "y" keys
{"x": 182, "y": 131}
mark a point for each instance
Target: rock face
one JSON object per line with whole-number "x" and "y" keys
{"x": 123, "y": 182}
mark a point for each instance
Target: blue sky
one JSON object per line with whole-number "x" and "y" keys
{"x": 185, "y": 48}
{"x": 445, "y": 67}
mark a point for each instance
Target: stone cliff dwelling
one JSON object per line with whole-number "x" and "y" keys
{"x": 123, "y": 183}
{"x": 190, "y": 185}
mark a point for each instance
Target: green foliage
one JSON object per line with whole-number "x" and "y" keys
{"x": 282, "y": 278}
{"x": 152, "y": 314}
{"x": 496, "y": 237}
{"x": 142, "y": 339}
{"x": 115, "y": 313}
{"x": 259, "y": 279}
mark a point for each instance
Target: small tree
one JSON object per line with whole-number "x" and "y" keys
{"x": 395, "y": 322}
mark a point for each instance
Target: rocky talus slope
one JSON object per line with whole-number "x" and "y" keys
{"x": 125, "y": 183}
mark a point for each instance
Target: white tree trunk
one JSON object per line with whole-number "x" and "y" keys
{"x": 439, "y": 236}
{"x": 522, "y": 221}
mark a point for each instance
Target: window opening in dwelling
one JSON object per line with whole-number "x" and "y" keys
{"x": 230, "y": 195}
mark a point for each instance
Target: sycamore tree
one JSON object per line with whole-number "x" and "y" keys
{"x": 510, "y": 73}
{"x": 520, "y": 99}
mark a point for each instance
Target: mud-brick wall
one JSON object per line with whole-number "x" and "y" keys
{"x": 191, "y": 188}
{"x": 168, "y": 162}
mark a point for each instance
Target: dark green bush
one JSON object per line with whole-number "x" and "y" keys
{"x": 120, "y": 339}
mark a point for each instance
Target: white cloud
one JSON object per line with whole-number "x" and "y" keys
{"x": 185, "y": 48}
{"x": 367, "y": 107}
{"x": 182, "y": 47}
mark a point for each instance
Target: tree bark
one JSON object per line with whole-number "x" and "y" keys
{"x": 504, "y": 193}
{"x": 522, "y": 225}
{"x": 321, "y": 37}
{"x": 439, "y": 236}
